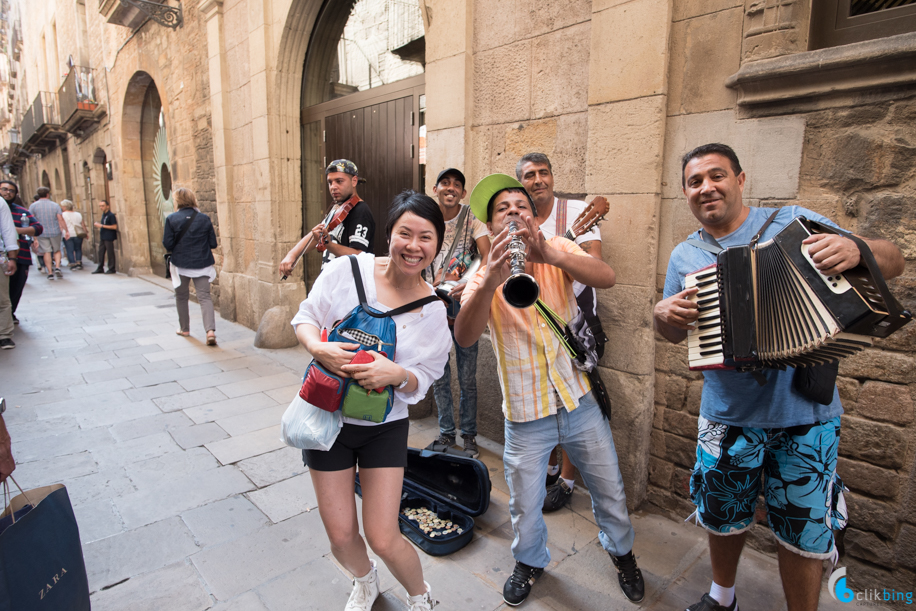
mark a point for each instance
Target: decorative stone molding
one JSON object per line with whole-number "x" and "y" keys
{"x": 209, "y": 8}
{"x": 881, "y": 63}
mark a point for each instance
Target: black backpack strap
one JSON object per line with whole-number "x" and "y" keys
{"x": 361, "y": 293}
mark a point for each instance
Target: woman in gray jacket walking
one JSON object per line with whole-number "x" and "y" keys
{"x": 192, "y": 260}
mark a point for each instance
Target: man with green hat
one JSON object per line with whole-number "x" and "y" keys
{"x": 354, "y": 235}
{"x": 547, "y": 401}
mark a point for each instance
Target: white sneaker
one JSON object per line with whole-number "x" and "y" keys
{"x": 365, "y": 591}
{"x": 422, "y": 602}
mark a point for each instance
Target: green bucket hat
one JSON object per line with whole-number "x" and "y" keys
{"x": 486, "y": 189}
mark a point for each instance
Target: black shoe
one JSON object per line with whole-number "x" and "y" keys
{"x": 470, "y": 446}
{"x": 442, "y": 444}
{"x": 7, "y": 344}
{"x": 111, "y": 271}
{"x": 552, "y": 479}
{"x": 630, "y": 577}
{"x": 557, "y": 497}
{"x": 99, "y": 271}
{"x": 518, "y": 586}
{"x": 708, "y": 603}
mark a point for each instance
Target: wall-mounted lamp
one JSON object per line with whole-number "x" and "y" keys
{"x": 108, "y": 171}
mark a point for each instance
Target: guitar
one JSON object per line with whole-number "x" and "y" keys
{"x": 593, "y": 214}
{"x": 335, "y": 217}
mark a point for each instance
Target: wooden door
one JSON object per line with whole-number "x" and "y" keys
{"x": 379, "y": 140}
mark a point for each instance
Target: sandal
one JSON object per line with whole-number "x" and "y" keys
{"x": 211, "y": 338}
{"x": 182, "y": 333}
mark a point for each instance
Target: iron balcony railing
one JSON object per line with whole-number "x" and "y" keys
{"x": 77, "y": 97}
{"x": 41, "y": 116}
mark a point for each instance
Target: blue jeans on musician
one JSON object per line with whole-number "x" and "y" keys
{"x": 467, "y": 383}
{"x": 74, "y": 247}
{"x": 586, "y": 437}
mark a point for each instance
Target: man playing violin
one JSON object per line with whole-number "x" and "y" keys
{"x": 355, "y": 231}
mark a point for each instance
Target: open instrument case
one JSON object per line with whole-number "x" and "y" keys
{"x": 456, "y": 488}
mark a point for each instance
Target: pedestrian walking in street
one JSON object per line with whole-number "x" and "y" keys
{"x": 51, "y": 218}
{"x": 190, "y": 238}
{"x": 108, "y": 233}
{"x": 28, "y": 227}
{"x": 77, "y": 231}
{"x": 415, "y": 231}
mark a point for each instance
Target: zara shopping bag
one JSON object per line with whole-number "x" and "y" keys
{"x": 41, "y": 560}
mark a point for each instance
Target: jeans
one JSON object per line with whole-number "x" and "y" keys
{"x": 202, "y": 286}
{"x": 74, "y": 247}
{"x": 6, "y": 308}
{"x": 586, "y": 437}
{"x": 467, "y": 382}
{"x": 17, "y": 284}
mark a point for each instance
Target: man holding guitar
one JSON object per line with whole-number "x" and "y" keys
{"x": 565, "y": 218}
{"x": 349, "y": 228}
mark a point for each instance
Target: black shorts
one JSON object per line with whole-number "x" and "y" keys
{"x": 372, "y": 447}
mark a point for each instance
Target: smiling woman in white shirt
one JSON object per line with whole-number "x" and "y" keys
{"x": 415, "y": 232}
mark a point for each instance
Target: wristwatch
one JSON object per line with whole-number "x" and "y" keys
{"x": 405, "y": 382}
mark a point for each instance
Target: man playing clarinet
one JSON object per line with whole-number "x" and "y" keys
{"x": 354, "y": 235}
{"x": 547, "y": 401}
{"x": 757, "y": 422}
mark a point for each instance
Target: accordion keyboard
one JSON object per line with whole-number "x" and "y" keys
{"x": 705, "y": 342}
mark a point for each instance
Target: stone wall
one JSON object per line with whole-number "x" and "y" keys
{"x": 854, "y": 164}
{"x": 120, "y": 60}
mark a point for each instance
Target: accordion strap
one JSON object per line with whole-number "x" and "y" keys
{"x": 709, "y": 243}
{"x": 868, "y": 258}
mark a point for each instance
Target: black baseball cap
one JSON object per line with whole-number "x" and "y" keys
{"x": 454, "y": 172}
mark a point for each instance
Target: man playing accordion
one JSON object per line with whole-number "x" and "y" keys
{"x": 753, "y": 422}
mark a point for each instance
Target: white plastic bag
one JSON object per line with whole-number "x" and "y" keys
{"x": 307, "y": 427}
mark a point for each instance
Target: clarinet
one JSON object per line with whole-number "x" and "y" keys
{"x": 520, "y": 290}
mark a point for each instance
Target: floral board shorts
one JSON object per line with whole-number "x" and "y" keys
{"x": 804, "y": 494}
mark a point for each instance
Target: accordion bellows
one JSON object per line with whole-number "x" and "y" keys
{"x": 767, "y": 306}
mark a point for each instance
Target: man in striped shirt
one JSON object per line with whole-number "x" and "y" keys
{"x": 547, "y": 401}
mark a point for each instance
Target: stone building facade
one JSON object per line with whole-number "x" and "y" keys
{"x": 614, "y": 92}
{"x": 92, "y": 70}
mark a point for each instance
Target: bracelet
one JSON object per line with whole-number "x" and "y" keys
{"x": 405, "y": 382}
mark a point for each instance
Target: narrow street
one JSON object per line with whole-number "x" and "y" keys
{"x": 187, "y": 499}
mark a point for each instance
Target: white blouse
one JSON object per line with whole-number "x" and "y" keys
{"x": 424, "y": 340}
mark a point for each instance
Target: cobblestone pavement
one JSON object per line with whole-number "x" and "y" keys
{"x": 187, "y": 500}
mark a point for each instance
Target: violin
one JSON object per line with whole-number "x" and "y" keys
{"x": 339, "y": 217}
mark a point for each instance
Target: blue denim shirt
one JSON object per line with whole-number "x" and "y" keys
{"x": 193, "y": 251}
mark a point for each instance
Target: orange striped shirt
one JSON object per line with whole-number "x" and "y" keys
{"x": 536, "y": 375}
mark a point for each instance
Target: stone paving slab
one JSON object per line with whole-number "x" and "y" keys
{"x": 112, "y": 559}
{"x": 176, "y": 587}
{"x": 245, "y": 446}
{"x": 198, "y": 435}
{"x": 223, "y": 521}
{"x": 273, "y": 467}
{"x": 174, "y": 495}
{"x": 257, "y": 558}
{"x": 286, "y": 499}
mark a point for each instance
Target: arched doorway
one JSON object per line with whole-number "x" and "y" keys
{"x": 157, "y": 173}
{"x": 45, "y": 179}
{"x": 363, "y": 99}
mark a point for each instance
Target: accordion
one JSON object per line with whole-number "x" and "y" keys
{"x": 767, "y": 306}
